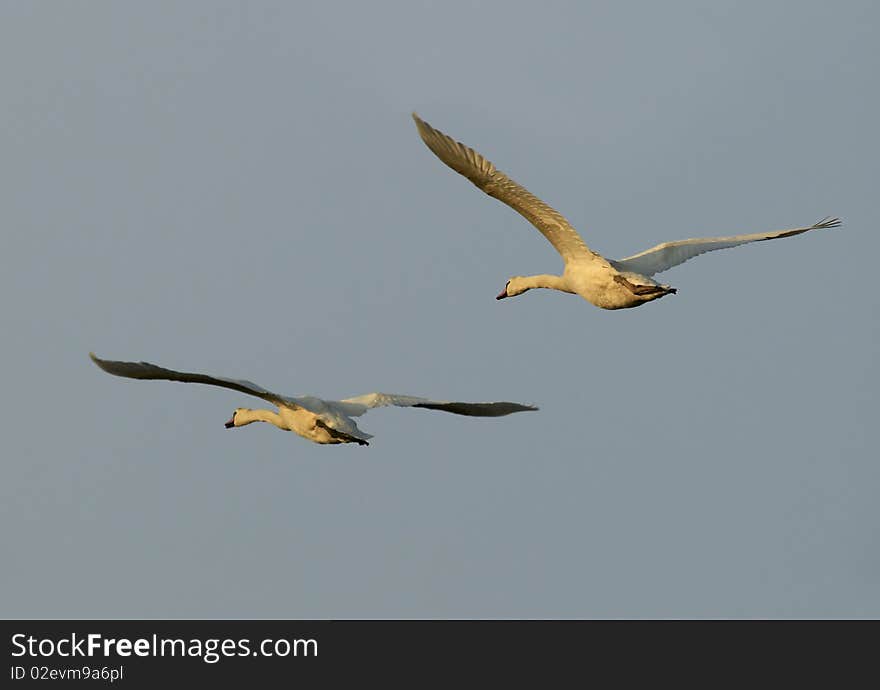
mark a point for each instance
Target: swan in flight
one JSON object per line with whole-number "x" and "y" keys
{"x": 321, "y": 421}
{"x": 606, "y": 283}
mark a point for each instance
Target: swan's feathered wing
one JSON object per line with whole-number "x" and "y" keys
{"x": 145, "y": 370}
{"x": 665, "y": 256}
{"x": 465, "y": 161}
{"x": 357, "y": 406}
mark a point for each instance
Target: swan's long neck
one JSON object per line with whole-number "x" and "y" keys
{"x": 243, "y": 417}
{"x": 521, "y": 284}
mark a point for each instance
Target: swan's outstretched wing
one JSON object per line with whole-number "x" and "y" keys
{"x": 355, "y": 407}
{"x": 465, "y": 161}
{"x": 145, "y": 370}
{"x": 665, "y": 256}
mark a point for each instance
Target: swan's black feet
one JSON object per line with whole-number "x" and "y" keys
{"x": 644, "y": 290}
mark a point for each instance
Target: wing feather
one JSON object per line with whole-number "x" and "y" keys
{"x": 465, "y": 161}
{"x": 147, "y": 371}
{"x": 360, "y": 404}
{"x": 665, "y": 256}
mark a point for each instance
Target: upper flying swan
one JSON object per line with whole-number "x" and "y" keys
{"x": 321, "y": 421}
{"x": 606, "y": 283}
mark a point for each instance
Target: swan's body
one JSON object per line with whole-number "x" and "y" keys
{"x": 321, "y": 421}
{"x": 607, "y": 284}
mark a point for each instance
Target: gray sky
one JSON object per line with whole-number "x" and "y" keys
{"x": 237, "y": 188}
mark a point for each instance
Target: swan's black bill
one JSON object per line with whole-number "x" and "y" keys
{"x": 230, "y": 423}
{"x": 502, "y": 294}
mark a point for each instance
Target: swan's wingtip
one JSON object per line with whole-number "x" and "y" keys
{"x": 829, "y": 222}
{"x": 421, "y": 125}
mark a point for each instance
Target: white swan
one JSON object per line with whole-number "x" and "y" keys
{"x": 607, "y": 284}
{"x": 321, "y": 421}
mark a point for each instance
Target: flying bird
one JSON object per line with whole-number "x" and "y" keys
{"x": 318, "y": 420}
{"x": 604, "y": 282}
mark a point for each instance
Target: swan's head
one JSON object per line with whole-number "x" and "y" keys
{"x": 236, "y": 420}
{"x": 513, "y": 288}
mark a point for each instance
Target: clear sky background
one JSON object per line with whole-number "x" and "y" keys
{"x": 238, "y": 188}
